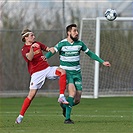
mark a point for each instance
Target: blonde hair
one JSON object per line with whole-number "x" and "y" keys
{"x": 25, "y": 33}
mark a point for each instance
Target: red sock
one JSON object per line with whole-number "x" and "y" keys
{"x": 62, "y": 81}
{"x": 25, "y": 106}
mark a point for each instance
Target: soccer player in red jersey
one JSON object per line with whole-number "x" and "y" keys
{"x": 39, "y": 70}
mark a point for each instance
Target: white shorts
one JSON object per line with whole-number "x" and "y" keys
{"x": 38, "y": 78}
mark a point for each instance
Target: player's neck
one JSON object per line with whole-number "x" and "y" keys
{"x": 28, "y": 43}
{"x": 70, "y": 40}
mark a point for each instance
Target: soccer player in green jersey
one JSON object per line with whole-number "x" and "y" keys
{"x": 69, "y": 50}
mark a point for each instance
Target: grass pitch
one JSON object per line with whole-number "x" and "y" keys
{"x": 102, "y": 115}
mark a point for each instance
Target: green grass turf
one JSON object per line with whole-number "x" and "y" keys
{"x": 102, "y": 115}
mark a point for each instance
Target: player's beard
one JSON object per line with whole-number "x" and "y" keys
{"x": 74, "y": 38}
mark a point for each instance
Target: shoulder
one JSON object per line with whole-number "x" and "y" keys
{"x": 82, "y": 45}
{"x": 79, "y": 42}
{"x": 61, "y": 43}
{"x": 25, "y": 47}
{"x": 64, "y": 40}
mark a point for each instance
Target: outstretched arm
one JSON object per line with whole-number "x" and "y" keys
{"x": 95, "y": 57}
{"x": 50, "y": 53}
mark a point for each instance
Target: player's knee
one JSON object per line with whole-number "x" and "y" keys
{"x": 31, "y": 97}
{"x": 62, "y": 71}
{"x": 32, "y": 94}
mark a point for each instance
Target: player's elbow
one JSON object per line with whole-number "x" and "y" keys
{"x": 29, "y": 58}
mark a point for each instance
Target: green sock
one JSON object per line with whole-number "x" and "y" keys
{"x": 69, "y": 107}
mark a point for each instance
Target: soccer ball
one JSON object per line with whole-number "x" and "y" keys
{"x": 110, "y": 14}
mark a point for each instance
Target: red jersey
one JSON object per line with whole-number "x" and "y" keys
{"x": 37, "y": 63}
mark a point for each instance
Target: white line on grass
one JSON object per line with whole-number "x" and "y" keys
{"x": 44, "y": 115}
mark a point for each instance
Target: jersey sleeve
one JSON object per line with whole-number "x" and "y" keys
{"x": 91, "y": 54}
{"x": 57, "y": 47}
{"x": 24, "y": 51}
{"x": 84, "y": 48}
{"x": 94, "y": 56}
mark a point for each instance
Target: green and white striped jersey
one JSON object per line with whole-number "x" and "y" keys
{"x": 70, "y": 54}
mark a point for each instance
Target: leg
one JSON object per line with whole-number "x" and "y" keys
{"x": 78, "y": 85}
{"x": 62, "y": 81}
{"x": 76, "y": 101}
{"x": 77, "y": 97}
{"x": 37, "y": 80}
{"x": 72, "y": 93}
{"x": 26, "y": 104}
{"x": 62, "y": 84}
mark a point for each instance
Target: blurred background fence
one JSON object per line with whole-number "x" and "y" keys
{"x": 14, "y": 73}
{"x": 48, "y": 21}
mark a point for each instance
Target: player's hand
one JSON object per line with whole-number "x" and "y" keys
{"x": 35, "y": 45}
{"x": 52, "y": 50}
{"x": 44, "y": 58}
{"x": 47, "y": 49}
{"x": 107, "y": 64}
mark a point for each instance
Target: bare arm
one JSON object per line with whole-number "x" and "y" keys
{"x": 30, "y": 55}
{"x": 50, "y": 53}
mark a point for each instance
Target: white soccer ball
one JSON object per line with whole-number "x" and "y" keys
{"x": 110, "y": 14}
